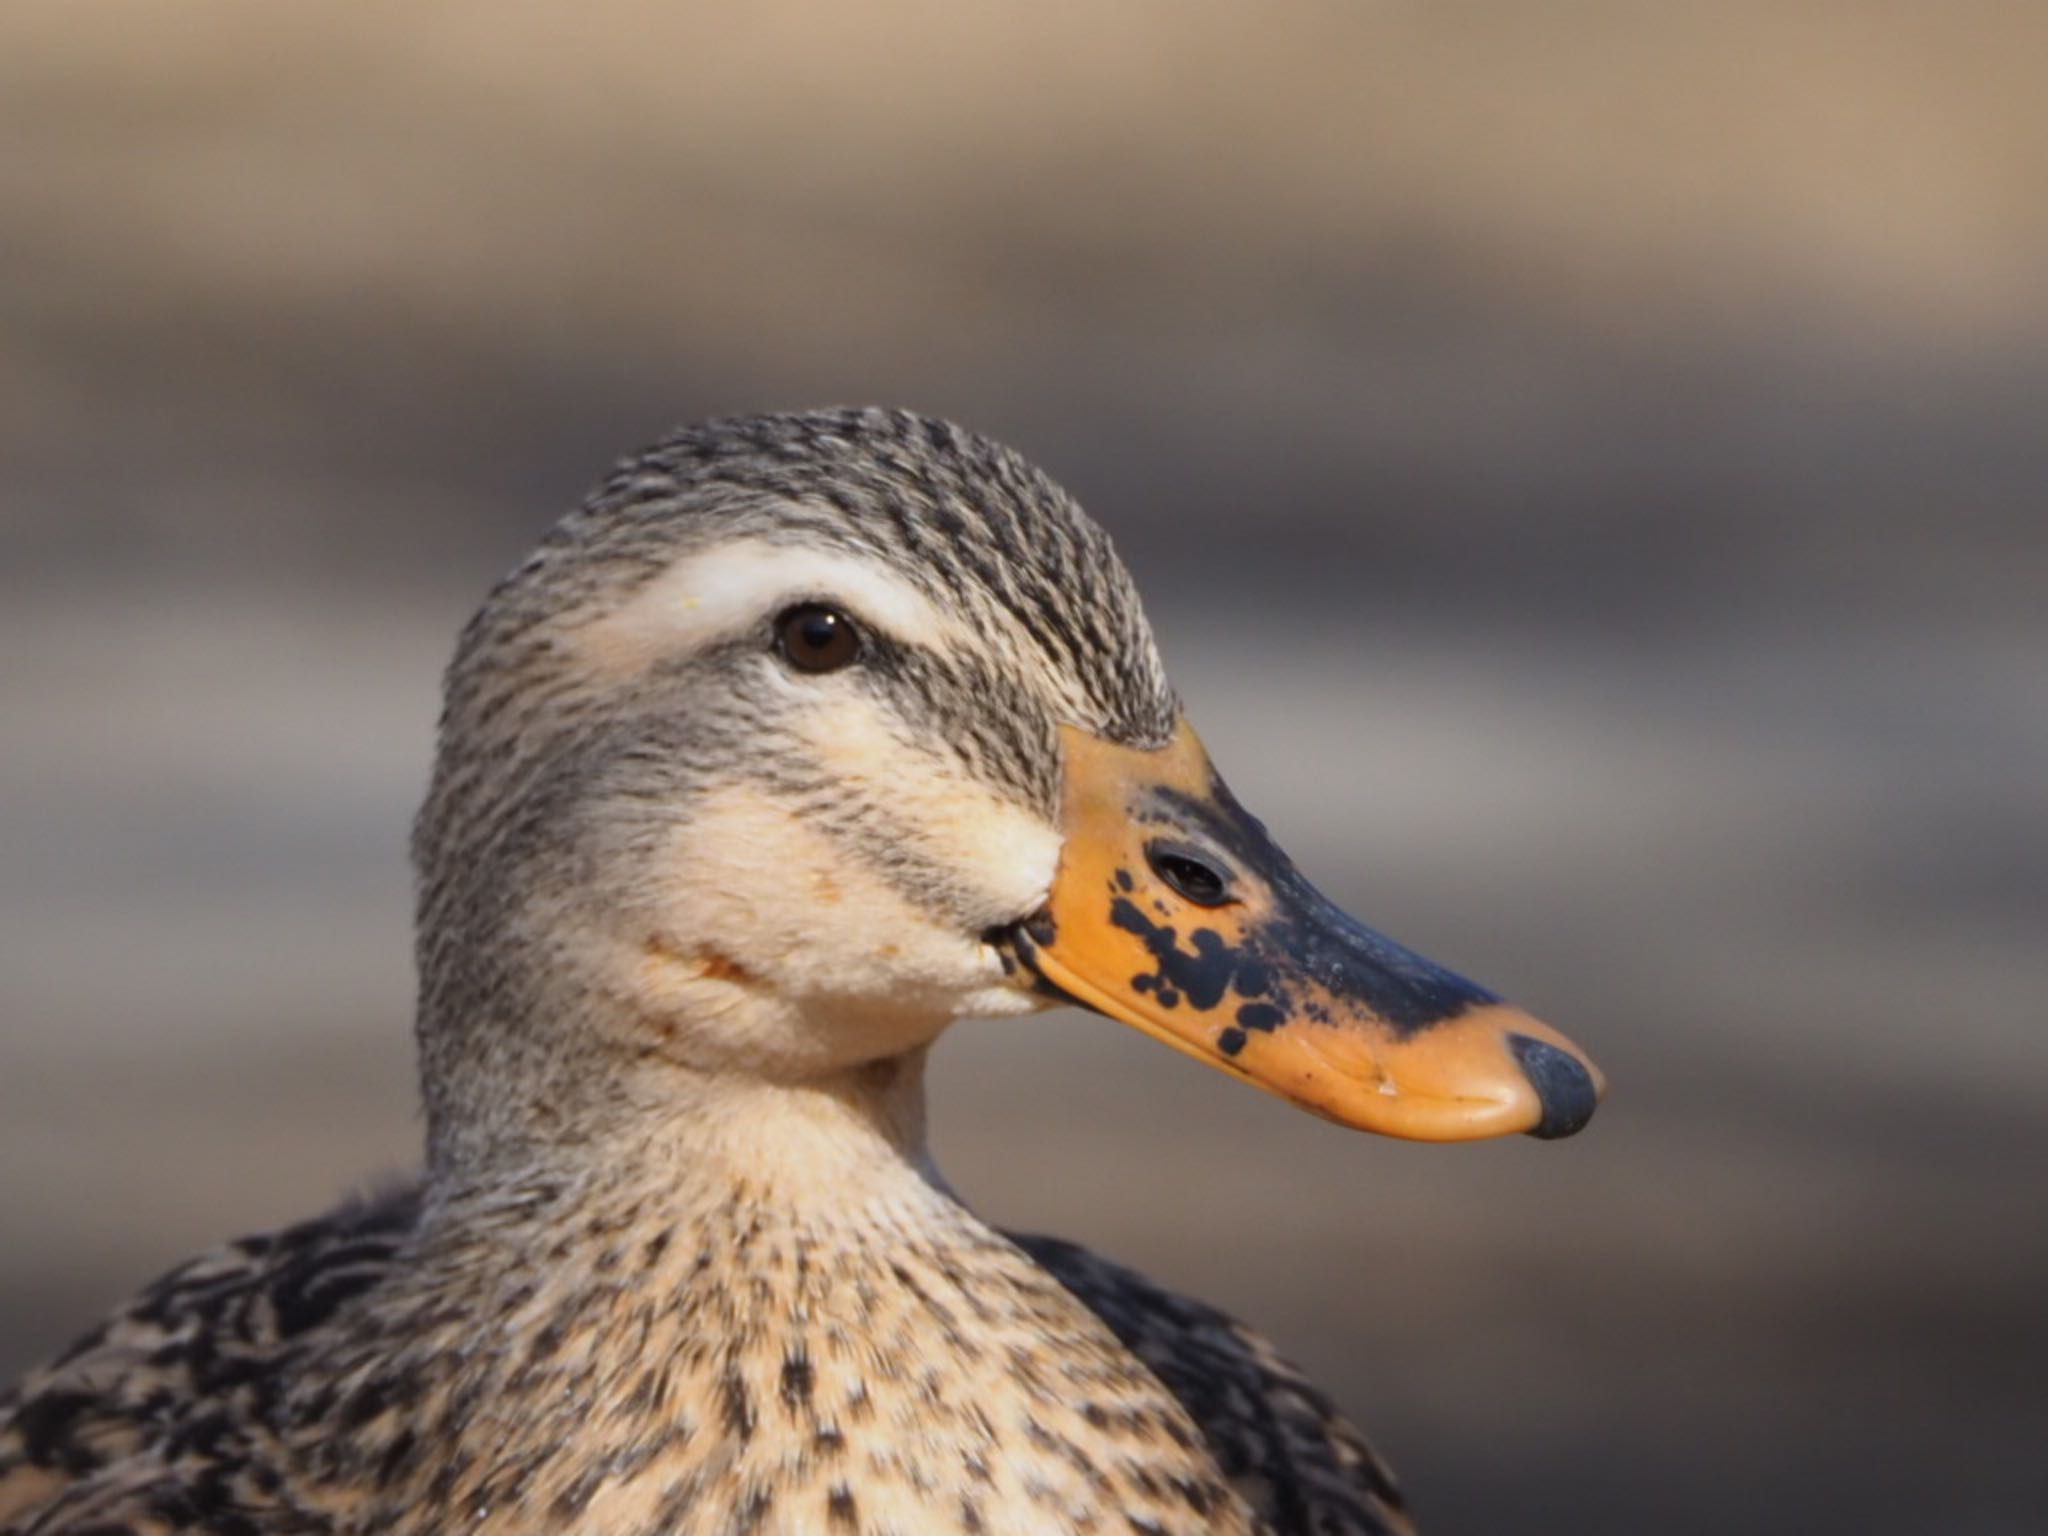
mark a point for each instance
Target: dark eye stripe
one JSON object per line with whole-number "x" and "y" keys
{"x": 815, "y": 638}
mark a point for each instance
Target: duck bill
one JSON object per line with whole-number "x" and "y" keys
{"x": 1174, "y": 911}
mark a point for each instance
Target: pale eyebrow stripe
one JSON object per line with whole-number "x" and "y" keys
{"x": 723, "y": 591}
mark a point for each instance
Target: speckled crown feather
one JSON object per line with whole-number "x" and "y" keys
{"x": 972, "y": 522}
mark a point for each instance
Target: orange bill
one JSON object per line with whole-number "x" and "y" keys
{"x": 1174, "y": 911}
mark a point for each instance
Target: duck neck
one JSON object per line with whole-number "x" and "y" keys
{"x": 773, "y": 1318}
{"x": 848, "y": 1147}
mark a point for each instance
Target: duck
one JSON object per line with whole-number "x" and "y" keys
{"x": 804, "y": 736}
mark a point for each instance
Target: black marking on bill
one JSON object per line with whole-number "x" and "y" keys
{"x": 1306, "y": 936}
{"x": 1019, "y": 944}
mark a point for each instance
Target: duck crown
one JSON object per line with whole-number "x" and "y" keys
{"x": 971, "y": 522}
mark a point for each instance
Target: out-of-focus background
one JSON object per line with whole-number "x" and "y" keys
{"x": 1587, "y": 466}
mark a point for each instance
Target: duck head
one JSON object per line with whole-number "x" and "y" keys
{"x": 807, "y": 735}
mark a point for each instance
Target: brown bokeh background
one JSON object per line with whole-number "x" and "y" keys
{"x": 1587, "y": 465}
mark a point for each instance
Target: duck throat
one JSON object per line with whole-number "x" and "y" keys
{"x": 580, "y": 1354}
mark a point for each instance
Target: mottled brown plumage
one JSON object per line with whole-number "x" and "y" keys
{"x": 679, "y": 1262}
{"x": 638, "y": 1373}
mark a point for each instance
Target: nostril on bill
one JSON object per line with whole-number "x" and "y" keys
{"x": 1190, "y": 872}
{"x": 1562, "y": 1084}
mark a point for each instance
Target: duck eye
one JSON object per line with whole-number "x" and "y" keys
{"x": 814, "y": 638}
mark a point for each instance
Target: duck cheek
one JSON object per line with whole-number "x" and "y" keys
{"x": 794, "y": 916}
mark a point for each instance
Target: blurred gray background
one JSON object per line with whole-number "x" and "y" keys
{"x": 1587, "y": 466}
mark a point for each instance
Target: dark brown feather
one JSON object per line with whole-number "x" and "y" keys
{"x": 166, "y": 1418}
{"x": 1282, "y": 1444}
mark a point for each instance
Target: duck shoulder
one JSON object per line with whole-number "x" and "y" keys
{"x": 160, "y": 1419}
{"x": 157, "y": 1419}
{"x": 1282, "y": 1443}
